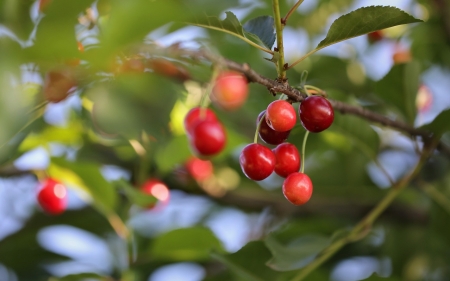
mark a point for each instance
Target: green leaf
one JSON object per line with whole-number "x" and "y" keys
{"x": 185, "y": 244}
{"x": 353, "y": 132}
{"x": 174, "y": 152}
{"x": 135, "y": 195}
{"x": 376, "y": 277}
{"x": 88, "y": 177}
{"x": 263, "y": 28}
{"x": 249, "y": 263}
{"x": 131, "y": 21}
{"x": 296, "y": 254}
{"x": 399, "y": 88}
{"x": 440, "y": 124}
{"x": 15, "y": 15}
{"x": 81, "y": 276}
{"x": 364, "y": 20}
{"x": 232, "y": 26}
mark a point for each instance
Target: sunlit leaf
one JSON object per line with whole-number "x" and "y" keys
{"x": 193, "y": 244}
{"x": 364, "y": 20}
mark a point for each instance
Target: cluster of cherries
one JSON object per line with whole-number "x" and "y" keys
{"x": 274, "y": 126}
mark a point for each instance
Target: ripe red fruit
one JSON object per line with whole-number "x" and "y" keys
{"x": 316, "y": 114}
{"x": 297, "y": 188}
{"x": 57, "y": 85}
{"x": 157, "y": 189}
{"x": 199, "y": 169}
{"x": 287, "y": 159}
{"x": 195, "y": 115}
{"x": 268, "y": 134}
{"x": 52, "y": 197}
{"x": 208, "y": 138}
{"x": 375, "y": 36}
{"x": 257, "y": 161}
{"x": 281, "y": 116}
{"x": 230, "y": 90}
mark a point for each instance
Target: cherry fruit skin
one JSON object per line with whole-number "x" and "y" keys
{"x": 194, "y": 116}
{"x": 316, "y": 114}
{"x": 230, "y": 90}
{"x": 199, "y": 169}
{"x": 208, "y": 138}
{"x": 52, "y": 197}
{"x": 297, "y": 188}
{"x": 269, "y": 135}
{"x": 375, "y": 36}
{"x": 287, "y": 159}
{"x": 281, "y": 116}
{"x": 257, "y": 161}
{"x": 157, "y": 189}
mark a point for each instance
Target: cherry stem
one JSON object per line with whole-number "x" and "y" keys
{"x": 208, "y": 91}
{"x": 291, "y": 11}
{"x": 319, "y": 90}
{"x": 263, "y": 118}
{"x": 302, "y": 170}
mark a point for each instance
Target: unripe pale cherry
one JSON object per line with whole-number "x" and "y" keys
{"x": 208, "y": 138}
{"x": 287, "y": 159}
{"x": 316, "y": 114}
{"x": 281, "y": 116}
{"x": 269, "y": 135}
{"x": 52, "y": 197}
{"x": 157, "y": 189}
{"x": 297, "y": 188}
{"x": 230, "y": 90}
{"x": 257, "y": 161}
{"x": 199, "y": 169}
{"x": 195, "y": 115}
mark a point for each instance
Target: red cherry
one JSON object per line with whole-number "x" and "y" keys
{"x": 195, "y": 115}
{"x": 57, "y": 85}
{"x": 297, "y": 188}
{"x": 281, "y": 116}
{"x": 157, "y": 189}
{"x": 316, "y": 114}
{"x": 208, "y": 138}
{"x": 199, "y": 169}
{"x": 230, "y": 90}
{"x": 268, "y": 134}
{"x": 52, "y": 197}
{"x": 257, "y": 161}
{"x": 375, "y": 36}
{"x": 287, "y": 159}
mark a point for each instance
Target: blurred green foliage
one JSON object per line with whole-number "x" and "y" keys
{"x": 134, "y": 121}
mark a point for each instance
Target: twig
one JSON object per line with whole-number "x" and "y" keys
{"x": 365, "y": 224}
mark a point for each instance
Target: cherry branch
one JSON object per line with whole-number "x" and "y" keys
{"x": 297, "y": 96}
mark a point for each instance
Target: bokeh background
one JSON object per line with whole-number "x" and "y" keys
{"x": 228, "y": 227}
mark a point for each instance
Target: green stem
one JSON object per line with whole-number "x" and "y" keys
{"x": 301, "y": 59}
{"x": 437, "y": 196}
{"x": 291, "y": 11}
{"x": 314, "y": 88}
{"x": 280, "y": 47}
{"x": 366, "y": 222}
{"x": 255, "y": 139}
{"x": 303, "y": 151}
